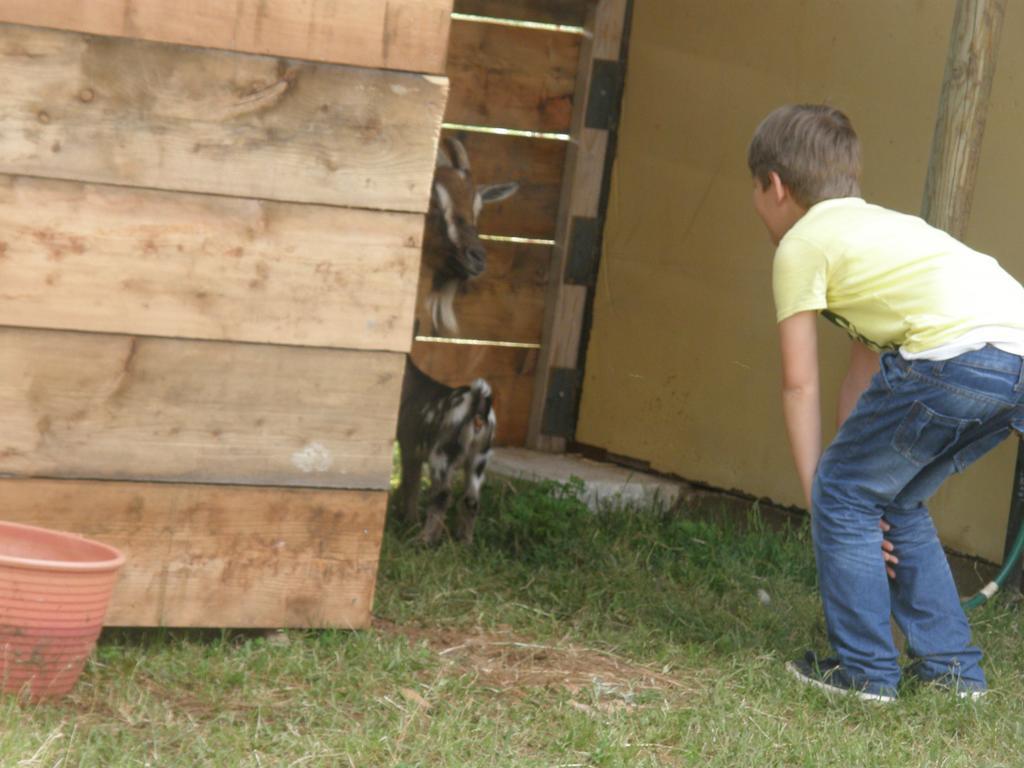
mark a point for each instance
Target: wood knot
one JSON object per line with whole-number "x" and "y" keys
{"x": 43, "y": 117}
{"x": 87, "y": 95}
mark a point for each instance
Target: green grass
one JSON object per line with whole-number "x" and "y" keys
{"x": 560, "y": 638}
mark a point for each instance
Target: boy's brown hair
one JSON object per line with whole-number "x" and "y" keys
{"x": 812, "y": 147}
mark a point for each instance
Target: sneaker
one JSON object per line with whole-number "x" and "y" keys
{"x": 949, "y": 682}
{"x": 829, "y": 676}
{"x": 964, "y": 689}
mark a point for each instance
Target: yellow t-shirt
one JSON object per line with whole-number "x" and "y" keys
{"x": 891, "y": 280}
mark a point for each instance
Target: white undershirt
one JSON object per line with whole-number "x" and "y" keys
{"x": 1007, "y": 339}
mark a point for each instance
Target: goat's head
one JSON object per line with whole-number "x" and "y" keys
{"x": 453, "y": 249}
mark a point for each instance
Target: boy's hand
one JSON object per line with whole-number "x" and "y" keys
{"x": 887, "y": 555}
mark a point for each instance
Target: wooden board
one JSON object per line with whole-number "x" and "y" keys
{"x": 565, "y": 305}
{"x": 506, "y": 303}
{"x": 135, "y": 408}
{"x": 399, "y": 34}
{"x": 569, "y": 12}
{"x": 209, "y": 556}
{"x": 536, "y": 164}
{"x": 511, "y": 77}
{"x": 101, "y": 258}
{"x": 508, "y": 369}
{"x": 154, "y": 115}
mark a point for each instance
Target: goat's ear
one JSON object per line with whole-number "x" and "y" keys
{"x": 495, "y": 193}
{"x": 457, "y": 153}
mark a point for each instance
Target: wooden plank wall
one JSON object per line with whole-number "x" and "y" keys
{"x": 521, "y": 78}
{"x": 209, "y": 251}
{"x": 564, "y": 12}
{"x": 399, "y": 34}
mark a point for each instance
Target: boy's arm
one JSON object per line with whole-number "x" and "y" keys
{"x": 798, "y": 337}
{"x": 863, "y": 365}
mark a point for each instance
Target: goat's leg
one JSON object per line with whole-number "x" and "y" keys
{"x": 469, "y": 507}
{"x": 441, "y": 472}
{"x": 409, "y": 490}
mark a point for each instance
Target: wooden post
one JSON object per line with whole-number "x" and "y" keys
{"x": 956, "y": 147}
{"x": 960, "y": 126}
{"x": 574, "y": 257}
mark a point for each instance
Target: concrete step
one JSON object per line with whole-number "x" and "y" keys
{"x": 603, "y": 483}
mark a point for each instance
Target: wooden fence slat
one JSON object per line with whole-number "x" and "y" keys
{"x": 568, "y": 12}
{"x": 506, "y": 303}
{"x": 509, "y": 370}
{"x": 536, "y": 164}
{"x": 585, "y": 165}
{"x": 155, "y": 115}
{"x": 204, "y": 556}
{"x": 115, "y": 259}
{"x": 77, "y": 405}
{"x": 399, "y": 34}
{"x": 511, "y": 77}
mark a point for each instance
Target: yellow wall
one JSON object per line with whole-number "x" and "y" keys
{"x": 682, "y": 366}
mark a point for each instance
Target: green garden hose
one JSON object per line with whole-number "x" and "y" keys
{"x": 1013, "y": 553}
{"x": 986, "y": 592}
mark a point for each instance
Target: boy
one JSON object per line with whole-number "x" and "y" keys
{"x": 949, "y": 324}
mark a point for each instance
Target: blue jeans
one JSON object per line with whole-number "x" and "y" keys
{"x": 916, "y": 424}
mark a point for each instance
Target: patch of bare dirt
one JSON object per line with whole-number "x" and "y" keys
{"x": 507, "y": 662}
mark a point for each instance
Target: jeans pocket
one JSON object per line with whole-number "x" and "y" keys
{"x": 923, "y": 435}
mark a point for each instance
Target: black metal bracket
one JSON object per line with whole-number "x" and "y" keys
{"x": 560, "y": 405}
{"x": 584, "y": 246}
{"x": 604, "y": 98}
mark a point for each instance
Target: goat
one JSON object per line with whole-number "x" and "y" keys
{"x": 452, "y": 250}
{"x": 449, "y": 428}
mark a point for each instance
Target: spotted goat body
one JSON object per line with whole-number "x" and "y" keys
{"x": 449, "y": 429}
